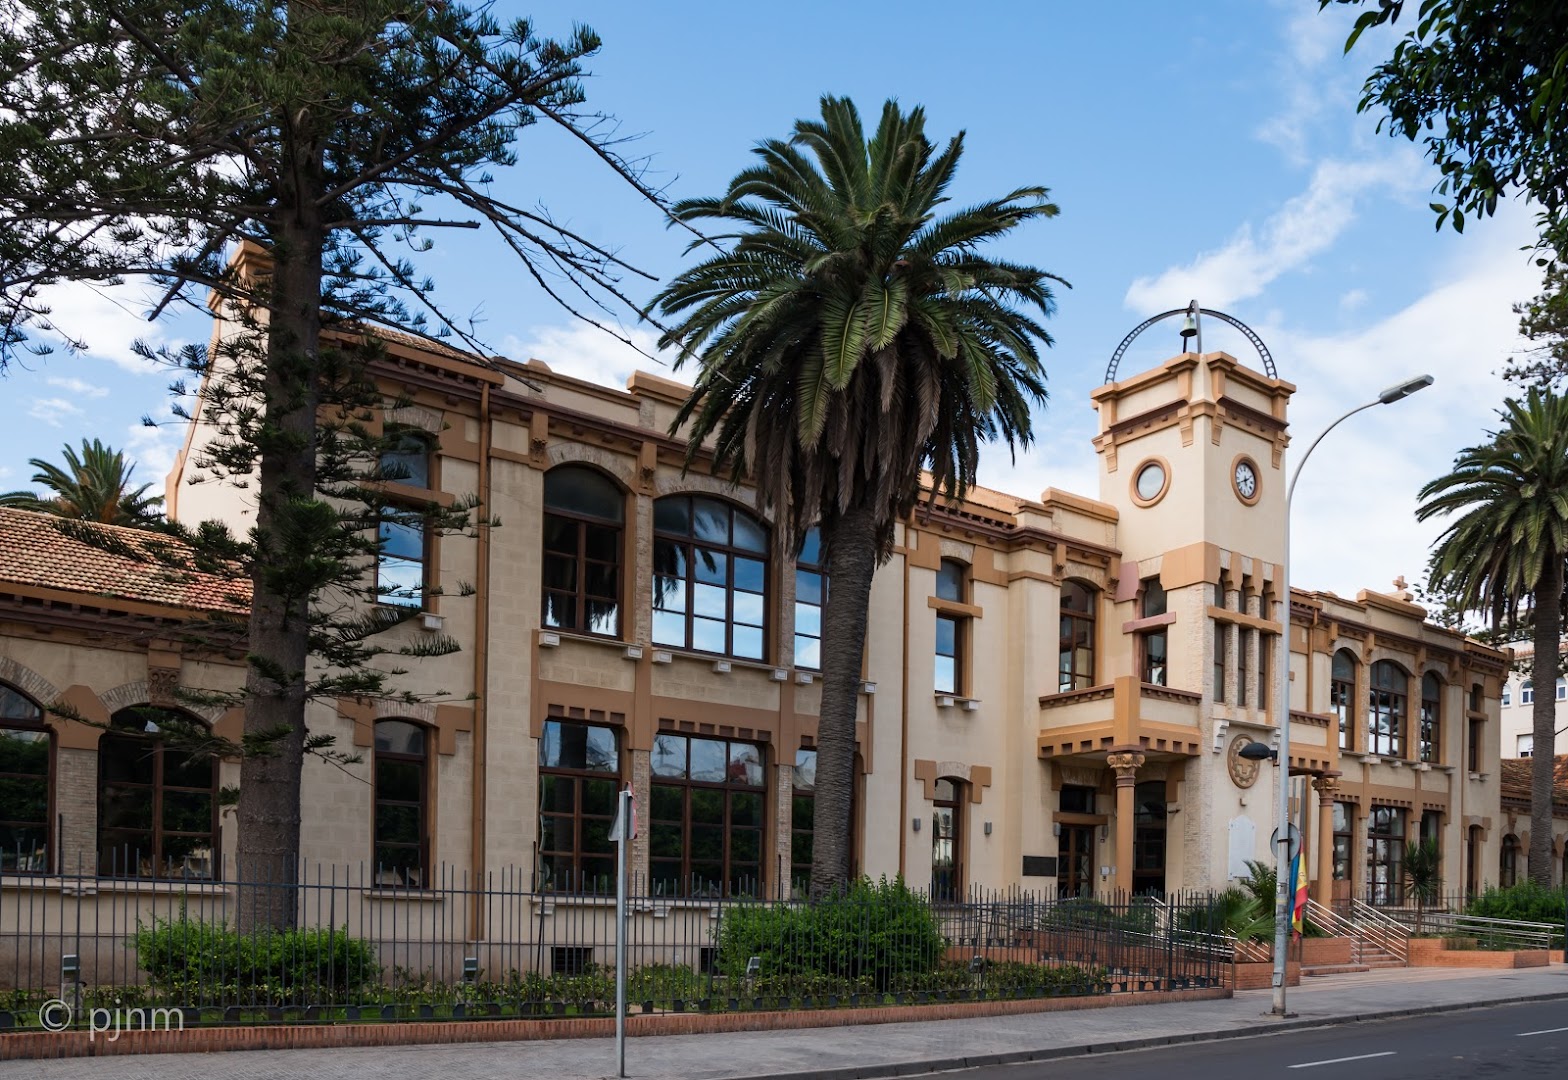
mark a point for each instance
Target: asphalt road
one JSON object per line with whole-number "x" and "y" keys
{"x": 1504, "y": 1041}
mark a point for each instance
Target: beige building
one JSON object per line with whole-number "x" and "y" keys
{"x": 1056, "y": 690}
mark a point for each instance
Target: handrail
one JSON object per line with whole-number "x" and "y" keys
{"x": 1385, "y": 931}
{"x": 1529, "y": 935}
{"x": 1329, "y": 919}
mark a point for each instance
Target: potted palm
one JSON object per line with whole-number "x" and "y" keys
{"x": 1423, "y": 877}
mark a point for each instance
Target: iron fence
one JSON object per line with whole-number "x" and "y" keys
{"x": 361, "y": 948}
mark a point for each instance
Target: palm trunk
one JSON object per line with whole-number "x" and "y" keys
{"x": 1544, "y": 670}
{"x": 269, "y": 802}
{"x": 851, "y": 545}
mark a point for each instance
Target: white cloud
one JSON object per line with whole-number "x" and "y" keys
{"x": 589, "y": 353}
{"x": 1304, "y": 227}
{"x": 79, "y": 387}
{"x": 153, "y": 450}
{"x": 52, "y": 411}
{"x": 107, "y": 320}
{"x": 1353, "y": 300}
{"x": 1313, "y": 88}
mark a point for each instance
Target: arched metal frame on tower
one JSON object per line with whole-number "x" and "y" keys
{"x": 1195, "y": 312}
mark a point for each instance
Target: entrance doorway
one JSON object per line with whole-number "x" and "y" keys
{"x": 1075, "y": 861}
{"x": 1148, "y": 865}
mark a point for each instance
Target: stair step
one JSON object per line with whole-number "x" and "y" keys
{"x": 1333, "y": 969}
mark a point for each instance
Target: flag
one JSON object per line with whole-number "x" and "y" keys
{"x": 1298, "y": 894}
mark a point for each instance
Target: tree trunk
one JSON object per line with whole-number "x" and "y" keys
{"x": 269, "y": 802}
{"x": 1544, "y": 670}
{"x": 851, "y": 544}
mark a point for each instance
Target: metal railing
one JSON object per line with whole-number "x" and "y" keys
{"x": 1375, "y": 925}
{"x": 360, "y": 947}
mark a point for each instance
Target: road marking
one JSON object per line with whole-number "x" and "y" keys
{"x": 1337, "y": 1061}
{"x": 1548, "y": 1031}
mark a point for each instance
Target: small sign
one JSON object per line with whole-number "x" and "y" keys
{"x": 625, "y": 803}
{"x": 1295, "y": 842}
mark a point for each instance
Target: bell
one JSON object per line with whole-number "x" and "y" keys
{"x": 1189, "y": 327}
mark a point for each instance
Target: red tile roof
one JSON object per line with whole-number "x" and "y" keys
{"x": 1515, "y": 782}
{"x": 39, "y": 550}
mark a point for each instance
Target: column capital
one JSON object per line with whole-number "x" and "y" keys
{"x": 1327, "y": 786}
{"x": 1126, "y": 764}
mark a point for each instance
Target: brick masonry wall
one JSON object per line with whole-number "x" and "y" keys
{"x": 32, "y": 1045}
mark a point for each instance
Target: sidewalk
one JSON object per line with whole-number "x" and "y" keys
{"x": 847, "y": 1052}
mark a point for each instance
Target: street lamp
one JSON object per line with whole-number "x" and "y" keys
{"x": 1397, "y": 392}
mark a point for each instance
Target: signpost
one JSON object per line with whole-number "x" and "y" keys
{"x": 622, "y": 832}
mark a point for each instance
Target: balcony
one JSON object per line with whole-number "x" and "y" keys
{"x": 1159, "y": 719}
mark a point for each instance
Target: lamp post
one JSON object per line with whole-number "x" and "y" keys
{"x": 1397, "y": 392}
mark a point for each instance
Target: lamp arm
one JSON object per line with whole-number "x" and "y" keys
{"x": 1295, "y": 475}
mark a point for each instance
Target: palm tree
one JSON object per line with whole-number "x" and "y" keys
{"x": 1504, "y": 554}
{"x": 849, "y": 337}
{"x": 1423, "y": 873}
{"x": 94, "y": 486}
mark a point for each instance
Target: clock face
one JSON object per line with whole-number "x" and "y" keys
{"x": 1246, "y": 480}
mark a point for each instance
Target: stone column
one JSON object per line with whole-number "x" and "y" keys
{"x": 637, "y": 858}
{"x": 1327, "y": 786}
{"x": 1125, "y": 761}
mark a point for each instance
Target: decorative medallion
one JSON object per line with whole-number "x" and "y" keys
{"x": 1243, "y": 773}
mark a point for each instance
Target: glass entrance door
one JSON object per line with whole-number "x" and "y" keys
{"x": 1075, "y": 861}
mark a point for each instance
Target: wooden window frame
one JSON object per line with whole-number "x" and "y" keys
{"x": 729, "y": 790}
{"x": 1344, "y": 841}
{"x": 1429, "y": 733}
{"x": 31, "y": 725}
{"x": 1342, "y": 699}
{"x": 820, "y": 570}
{"x": 577, "y": 880}
{"x": 157, "y": 748}
{"x": 426, "y": 778}
{"x": 1387, "y": 849}
{"x": 691, "y": 545}
{"x": 954, "y": 889}
{"x": 1392, "y": 703}
{"x": 580, "y": 523}
{"x": 1072, "y": 622}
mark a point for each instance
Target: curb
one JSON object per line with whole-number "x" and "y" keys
{"x": 1053, "y": 1053}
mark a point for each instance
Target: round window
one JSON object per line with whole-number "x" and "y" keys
{"x": 1151, "y": 481}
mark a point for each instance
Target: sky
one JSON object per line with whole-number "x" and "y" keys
{"x": 1209, "y": 150}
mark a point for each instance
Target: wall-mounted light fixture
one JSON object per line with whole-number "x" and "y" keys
{"x": 1105, "y": 832}
{"x": 988, "y": 828}
{"x": 914, "y": 823}
{"x": 1056, "y": 828}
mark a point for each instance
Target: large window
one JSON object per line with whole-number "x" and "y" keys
{"x": 1153, "y": 644}
{"x": 157, "y": 801}
{"x": 1386, "y": 854}
{"x": 707, "y": 815}
{"x": 947, "y": 839}
{"x": 811, "y": 596}
{"x": 1431, "y": 737}
{"x": 579, "y": 774}
{"x": 1508, "y": 862}
{"x": 1477, "y": 734}
{"x": 803, "y": 821}
{"x": 24, "y": 785}
{"x": 401, "y": 559}
{"x": 583, "y": 516}
{"x": 1344, "y": 817}
{"x": 1221, "y": 654}
{"x": 406, "y": 459}
{"x": 952, "y": 585}
{"x": 1342, "y": 696}
{"x": 1387, "y": 707}
{"x": 710, "y": 575}
{"x": 1075, "y": 646}
{"x": 402, "y": 776}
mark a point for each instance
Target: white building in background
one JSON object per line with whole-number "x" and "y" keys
{"x": 1518, "y": 704}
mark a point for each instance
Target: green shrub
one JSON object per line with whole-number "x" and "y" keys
{"x": 873, "y": 933}
{"x": 200, "y": 962}
{"x": 1524, "y": 902}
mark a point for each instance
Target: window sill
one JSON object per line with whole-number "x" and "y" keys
{"x": 949, "y": 701}
{"x": 659, "y": 908}
{"x": 89, "y": 886}
{"x": 414, "y": 896}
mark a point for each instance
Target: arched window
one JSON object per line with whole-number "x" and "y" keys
{"x": 1387, "y": 706}
{"x": 24, "y": 785}
{"x": 1431, "y": 735}
{"x": 1075, "y": 644}
{"x": 1508, "y": 862}
{"x": 584, "y": 512}
{"x": 402, "y": 777}
{"x": 157, "y": 797}
{"x": 710, "y": 577}
{"x": 1342, "y": 696}
{"x": 579, "y": 774}
{"x": 405, "y": 459}
{"x": 707, "y": 815}
{"x": 811, "y": 595}
{"x": 952, "y": 626}
{"x": 1508, "y": 696}
{"x": 947, "y": 840}
{"x": 1527, "y": 692}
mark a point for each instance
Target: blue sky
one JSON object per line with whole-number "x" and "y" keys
{"x": 1206, "y": 149}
